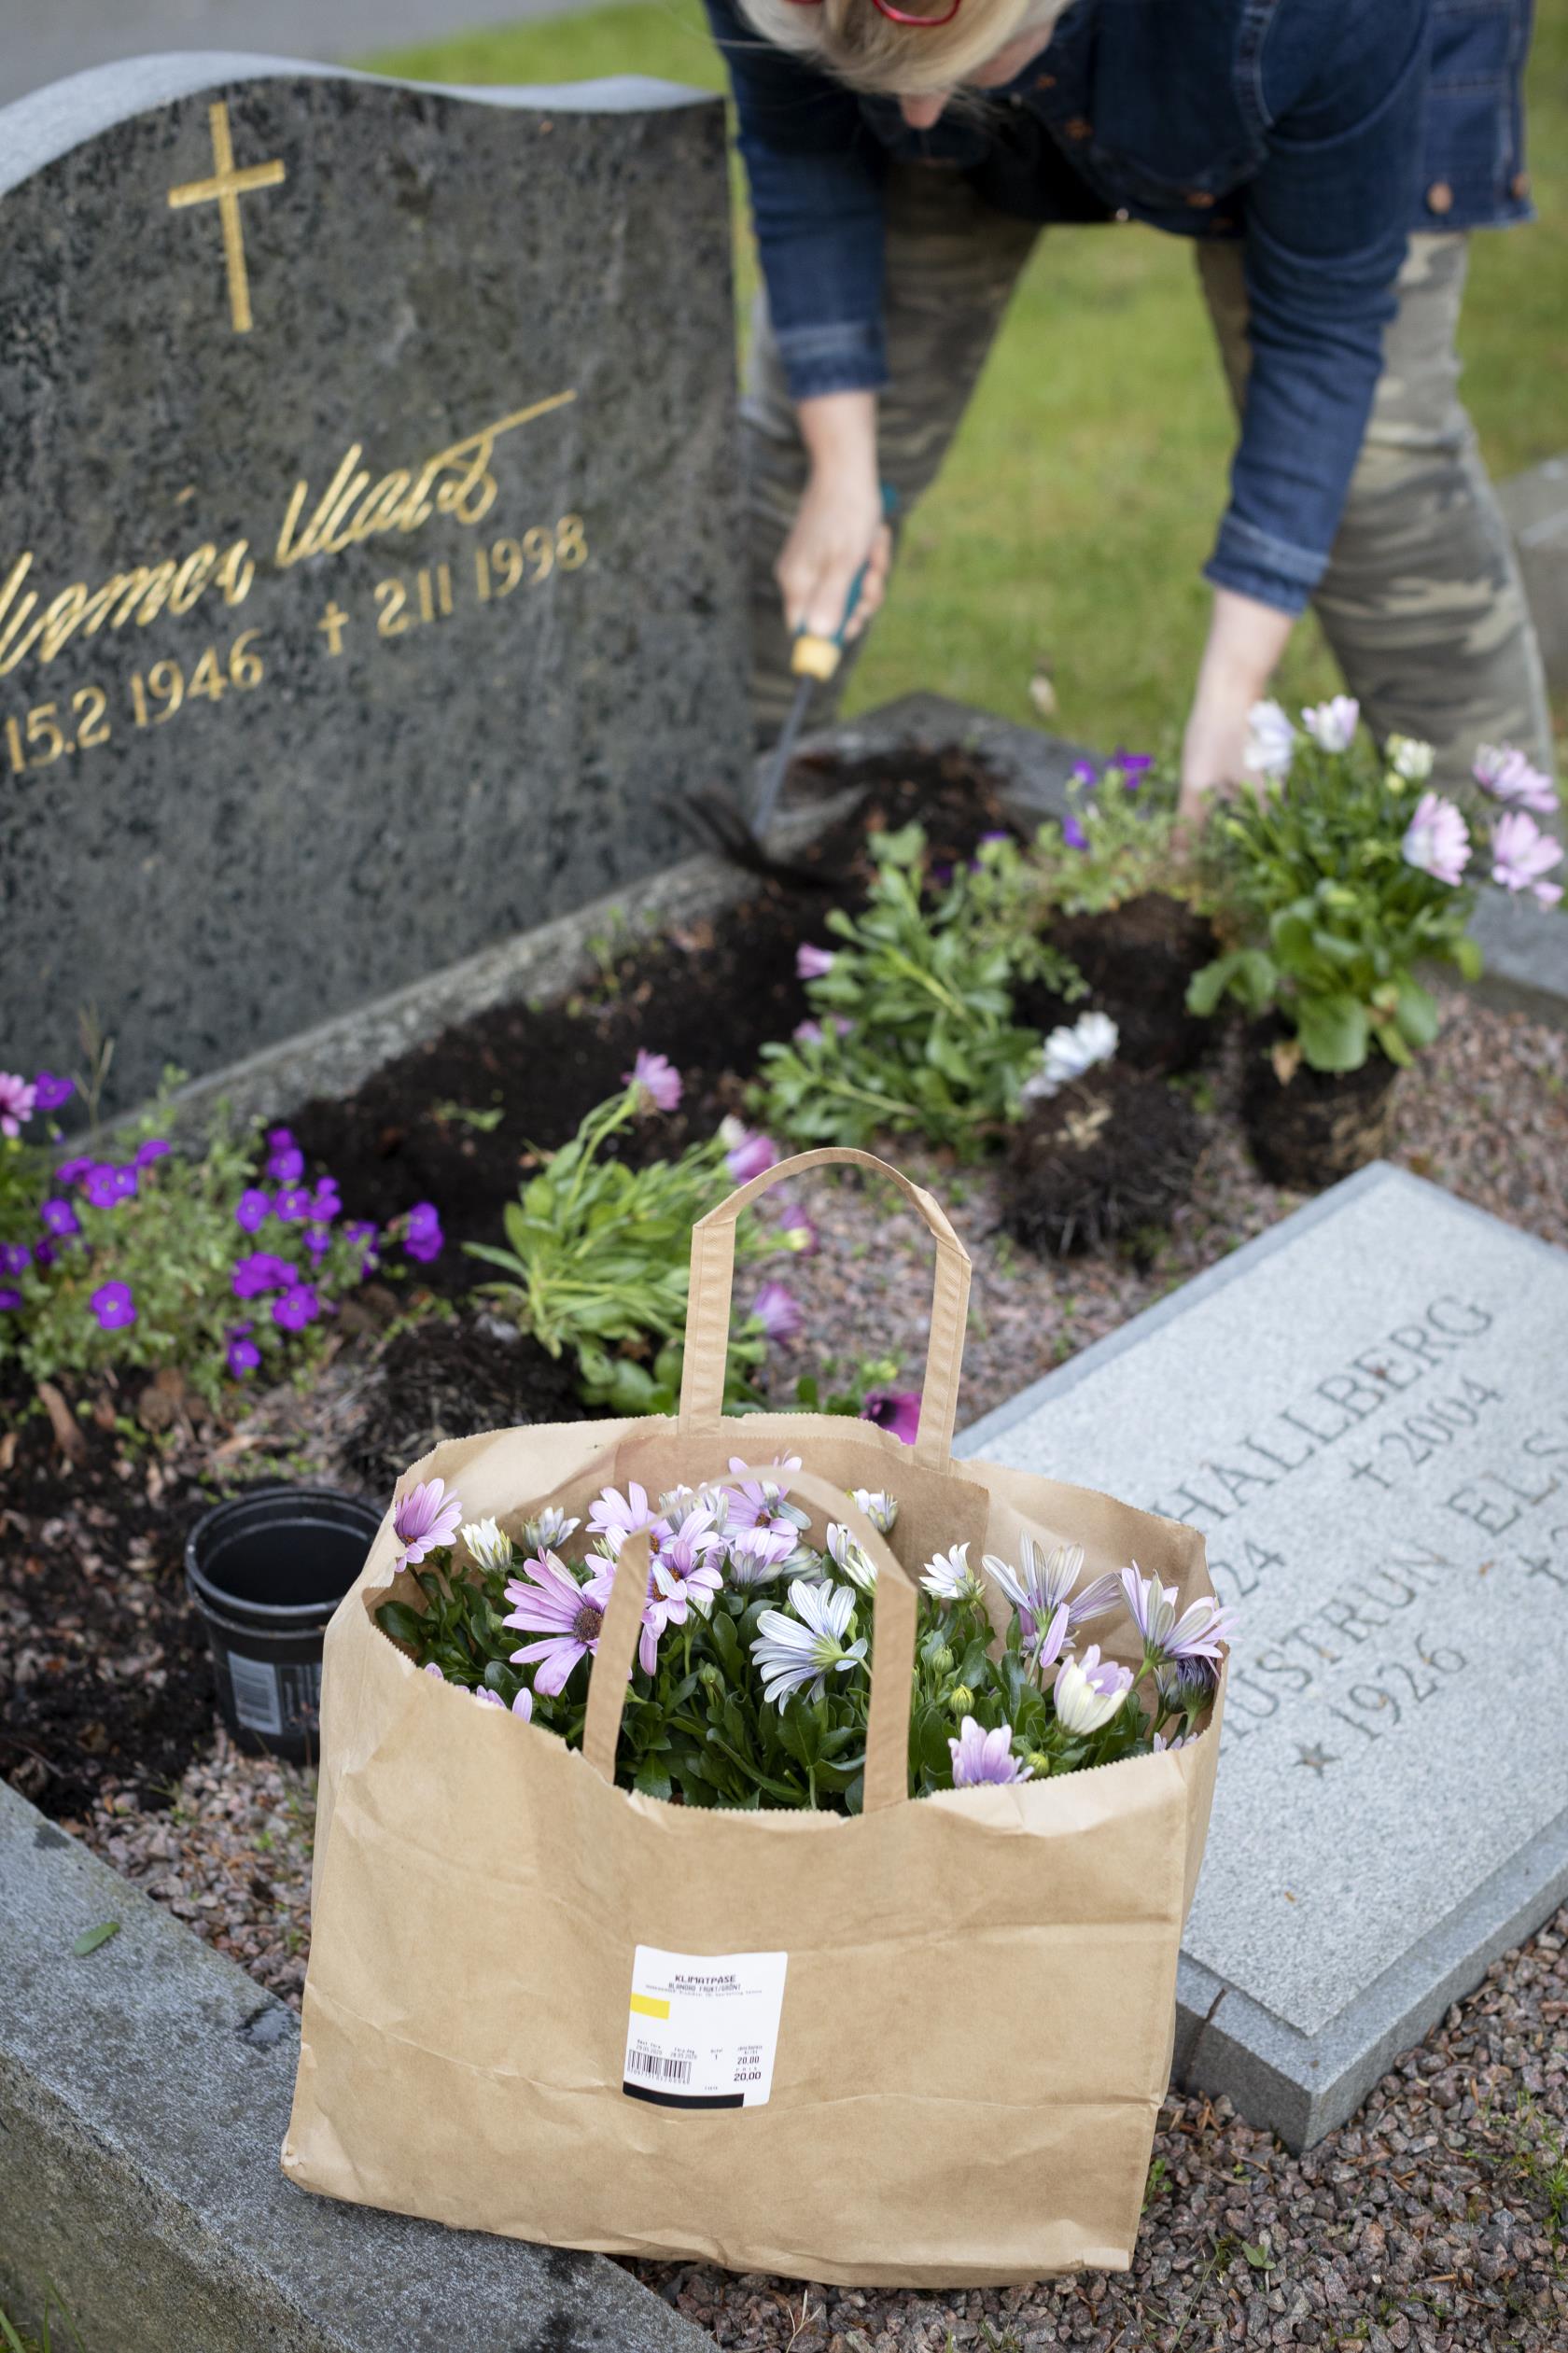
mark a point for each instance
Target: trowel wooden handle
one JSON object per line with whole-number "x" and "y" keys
{"x": 815, "y": 657}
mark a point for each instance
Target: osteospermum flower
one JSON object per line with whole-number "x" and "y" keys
{"x": 1509, "y": 777}
{"x": 523, "y": 1705}
{"x": 685, "y": 1562}
{"x": 849, "y": 1557}
{"x": 1270, "y": 742}
{"x": 657, "y": 1077}
{"x": 950, "y": 1576}
{"x": 113, "y": 1305}
{"x": 18, "y": 1099}
{"x": 879, "y": 1507}
{"x": 485, "y": 1544}
{"x": 1088, "y": 1691}
{"x": 757, "y": 1555}
{"x": 1437, "y": 840}
{"x": 799, "y": 1652}
{"x": 1044, "y": 1584}
{"x": 1198, "y": 1633}
{"x": 613, "y": 1516}
{"x": 985, "y": 1756}
{"x": 549, "y": 1530}
{"x": 1522, "y": 856}
{"x": 894, "y": 1409}
{"x": 1072, "y": 1049}
{"x": 813, "y": 962}
{"x": 747, "y": 1151}
{"x": 1332, "y": 725}
{"x": 754, "y": 1503}
{"x": 548, "y": 1601}
{"x": 1409, "y": 758}
{"x": 424, "y": 1519}
{"x": 778, "y": 1311}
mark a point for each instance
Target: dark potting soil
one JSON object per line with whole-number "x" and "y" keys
{"x": 709, "y": 995}
{"x": 1317, "y": 1125}
{"x": 436, "y": 1379}
{"x": 104, "y": 1675}
{"x": 1110, "y": 1155}
{"x": 1137, "y": 959}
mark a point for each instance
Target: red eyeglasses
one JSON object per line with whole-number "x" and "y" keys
{"x": 919, "y": 19}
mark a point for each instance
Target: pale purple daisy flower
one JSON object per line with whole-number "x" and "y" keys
{"x": 878, "y": 1507}
{"x": 1523, "y": 855}
{"x": 799, "y": 1653}
{"x": 764, "y": 1502}
{"x": 424, "y": 1521}
{"x": 1409, "y": 758}
{"x": 568, "y": 1616}
{"x": 778, "y": 1311}
{"x": 1509, "y": 777}
{"x": 813, "y": 962}
{"x": 485, "y": 1544}
{"x": 657, "y": 1077}
{"x": 849, "y": 1557}
{"x": 685, "y": 1561}
{"x": 1044, "y": 1583}
{"x": 549, "y": 1530}
{"x": 1088, "y": 1692}
{"x": 759, "y": 1554}
{"x": 1196, "y": 1633}
{"x": 1270, "y": 742}
{"x": 894, "y": 1409}
{"x": 523, "y": 1705}
{"x": 1437, "y": 840}
{"x": 49, "y": 1090}
{"x": 747, "y": 1151}
{"x": 985, "y": 1756}
{"x": 422, "y": 1237}
{"x": 1332, "y": 725}
{"x": 113, "y": 1305}
{"x": 613, "y": 1516}
{"x": 797, "y": 1231}
{"x": 432, "y": 1669}
{"x": 17, "y": 1102}
{"x": 807, "y": 1034}
{"x": 1161, "y": 1744}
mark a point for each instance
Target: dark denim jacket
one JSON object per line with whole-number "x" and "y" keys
{"x": 1318, "y": 132}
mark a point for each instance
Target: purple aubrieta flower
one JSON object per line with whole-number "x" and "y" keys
{"x": 1509, "y": 777}
{"x": 11, "y": 1299}
{"x": 985, "y": 1756}
{"x": 253, "y": 1208}
{"x": 894, "y": 1409}
{"x": 243, "y": 1354}
{"x": 1073, "y": 833}
{"x": 1523, "y": 855}
{"x": 49, "y": 1090}
{"x": 424, "y": 1521}
{"x": 1134, "y": 767}
{"x": 422, "y": 1237}
{"x": 813, "y": 962}
{"x": 17, "y": 1100}
{"x": 362, "y": 1233}
{"x": 44, "y": 1252}
{"x": 261, "y": 1272}
{"x": 107, "y": 1186}
{"x": 60, "y": 1217}
{"x": 286, "y": 1162}
{"x": 656, "y": 1076}
{"x": 113, "y": 1305}
{"x": 155, "y": 1148}
{"x": 326, "y": 1201}
{"x": 1437, "y": 840}
{"x": 293, "y": 1204}
{"x": 73, "y": 1171}
{"x": 297, "y": 1308}
{"x": 15, "y": 1258}
{"x": 1198, "y": 1632}
{"x": 747, "y": 1151}
{"x": 548, "y": 1601}
{"x": 1085, "y": 773}
{"x": 778, "y": 1311}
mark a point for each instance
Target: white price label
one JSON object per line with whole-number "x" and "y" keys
{"x": 702, "y": 2028}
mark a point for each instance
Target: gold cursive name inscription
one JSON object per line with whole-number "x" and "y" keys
{"x": 356, "y": 506}
{"x": 458, "y": 480}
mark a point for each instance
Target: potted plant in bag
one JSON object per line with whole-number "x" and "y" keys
{"x": 1336, "y": 875}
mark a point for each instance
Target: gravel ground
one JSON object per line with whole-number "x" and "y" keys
{"x": 1434, "y": 2222}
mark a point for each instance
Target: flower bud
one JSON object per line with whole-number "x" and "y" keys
{"x": 960, "y": 1698}
{"x": 711, "y": 1675}
{"x": 941, "y": 1660}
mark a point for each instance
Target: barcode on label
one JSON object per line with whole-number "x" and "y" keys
{"x": 256, "y": 1693}
{"x": 658, "y": 2067}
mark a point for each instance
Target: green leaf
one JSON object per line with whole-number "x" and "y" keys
{"x": 1468, "y": 956}
{"x": 91, "y": 1939}
{"x": 1333, "y": 1032}
{"x": 402, "y": 1623}
{"x": 1417, "y": 1015}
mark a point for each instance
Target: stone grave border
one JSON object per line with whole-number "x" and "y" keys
{"x": 1303, "y": 2085}
{"x": 144, "y": 2089}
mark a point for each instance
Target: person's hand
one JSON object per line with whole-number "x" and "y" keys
{"x": 1245, "y": 641}
{"x": 839, "y": 525}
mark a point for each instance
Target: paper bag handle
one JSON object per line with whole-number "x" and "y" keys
{"x": 895, "y": 1605}
{"x": 707, "y": 1313}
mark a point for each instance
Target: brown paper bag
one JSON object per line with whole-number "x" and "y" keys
{"x": 952, "y": 2017}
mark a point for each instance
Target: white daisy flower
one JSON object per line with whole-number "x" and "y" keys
{"x": 801, "y": 1651}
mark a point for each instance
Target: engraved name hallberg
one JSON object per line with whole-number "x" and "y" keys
{"x": 356, "y": 506}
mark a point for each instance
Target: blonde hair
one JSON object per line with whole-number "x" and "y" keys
{"x": 854, "y": 41}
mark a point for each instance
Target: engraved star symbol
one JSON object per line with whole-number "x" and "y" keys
{"x": 1317, "y": 1757}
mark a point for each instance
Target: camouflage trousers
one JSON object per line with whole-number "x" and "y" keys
{"x": 1422, "y": 601}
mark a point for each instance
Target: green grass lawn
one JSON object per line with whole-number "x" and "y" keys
{"x": 1082, "y": 495}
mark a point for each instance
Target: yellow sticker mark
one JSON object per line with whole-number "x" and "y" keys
{"x": 649, "y": 2006}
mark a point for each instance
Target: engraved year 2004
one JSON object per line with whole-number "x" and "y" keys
{"x": 1420, "y": 1435}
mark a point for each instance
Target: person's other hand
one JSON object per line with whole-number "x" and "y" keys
{"x": 840, "y": 525}
{"x": 1245, "y": 641}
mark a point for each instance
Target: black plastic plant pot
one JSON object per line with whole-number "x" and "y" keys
{"x": 266, "y": 1571}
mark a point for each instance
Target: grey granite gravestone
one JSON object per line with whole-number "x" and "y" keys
{"x": 368, "y": 569}
{"x": 1536, "y": 507}
{"x": 1366, "y": 1412}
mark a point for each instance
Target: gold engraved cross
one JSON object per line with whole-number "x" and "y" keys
{"x": 225, "y": 189}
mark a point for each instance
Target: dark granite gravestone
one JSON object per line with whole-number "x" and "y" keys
{"x": 369, "y": 561}
{"x": 1366, "y": 1412}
